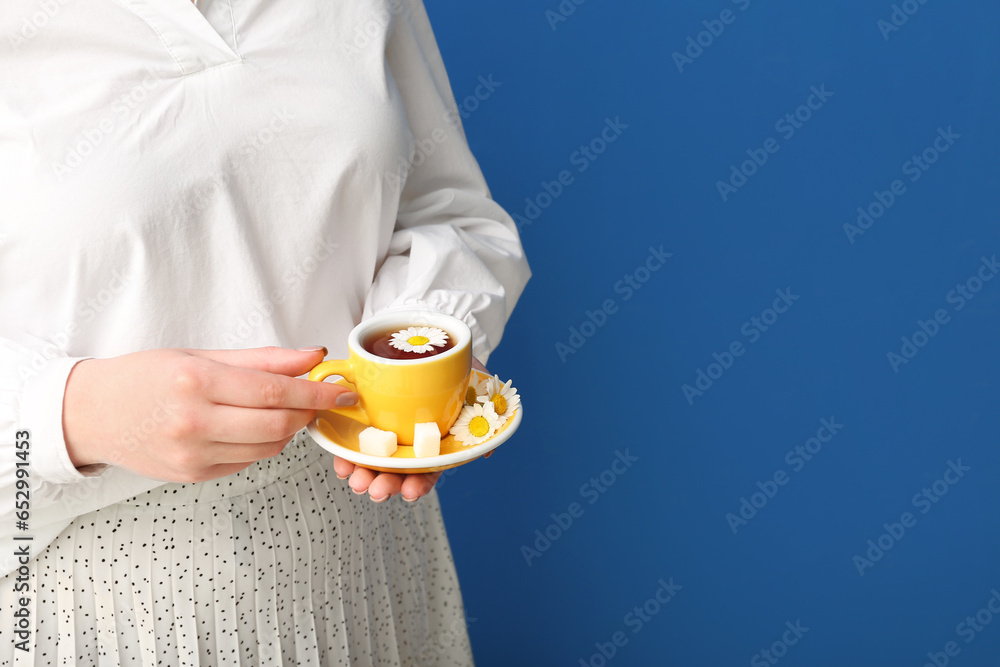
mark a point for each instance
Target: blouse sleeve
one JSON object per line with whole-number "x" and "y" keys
{"x": 32, "y": 387}
{"x": 454, "y": 249}
{"x": 38, "y": 483}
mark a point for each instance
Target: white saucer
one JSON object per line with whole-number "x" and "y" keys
{"x": 337, "y": 432}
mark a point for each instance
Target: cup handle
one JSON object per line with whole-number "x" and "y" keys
{"x": 325, "y": 369}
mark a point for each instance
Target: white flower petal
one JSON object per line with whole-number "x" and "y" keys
{"x": 461, "y": 429}
{"x": 491, "y": 387}
{"x": 435, "y": 338}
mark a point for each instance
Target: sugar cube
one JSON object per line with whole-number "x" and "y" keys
{"x": 426, "y": 439}
{"x": 377, "y": 442}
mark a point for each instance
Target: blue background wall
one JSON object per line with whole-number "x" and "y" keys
{"x": 801, "y": 557}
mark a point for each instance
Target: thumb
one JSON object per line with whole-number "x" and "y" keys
{"x": 278, "y": 360}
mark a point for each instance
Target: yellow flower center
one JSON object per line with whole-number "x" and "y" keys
{"x": 479, "y": 426}
{"x": 470, "y": 395}
{"x": 500, "y": 403}
{"x": 418, "y": 340}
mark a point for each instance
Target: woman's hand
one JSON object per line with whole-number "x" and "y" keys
{"x": 192, "y": 415}
{"x": 383, "y": 485}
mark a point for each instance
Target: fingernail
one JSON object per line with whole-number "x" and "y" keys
{"x": 346, "y": 399}
{"x": 314, "y": 349}
{"x": 358, "y": 493}
{"x": 381, "y": 500}
{"x": 344, "y": 477}
{"x": 411, "y": 500}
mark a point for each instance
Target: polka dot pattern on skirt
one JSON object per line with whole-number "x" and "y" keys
{"x": 279, "y": 564}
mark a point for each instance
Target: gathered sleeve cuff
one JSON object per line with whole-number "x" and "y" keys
{"x": 454, "y": 250}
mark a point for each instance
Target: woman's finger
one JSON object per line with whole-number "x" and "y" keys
{"x": 384, "y": 486}
{"x": 342, "y": 467}
{"x": 360, "y": 479}
{"x": 418, "y": 486}
{"x": 279, "y": 360}
{"x": 251, "y": 388}
{"x": 226, "y": 423}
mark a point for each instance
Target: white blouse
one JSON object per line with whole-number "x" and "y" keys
{"x": 237, "y": 174}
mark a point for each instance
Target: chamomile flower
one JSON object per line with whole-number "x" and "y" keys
{"x": 476, "y": 424}
{"x": 503, "y": 396}
{"x": 419, "y": 339}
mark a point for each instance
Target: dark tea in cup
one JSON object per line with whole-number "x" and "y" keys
{"x": 413, "y": 342}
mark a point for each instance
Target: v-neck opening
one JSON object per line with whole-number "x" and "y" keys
{"x": 188, "y": 35}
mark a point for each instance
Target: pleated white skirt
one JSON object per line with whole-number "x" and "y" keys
{"x": 280, "y": 564}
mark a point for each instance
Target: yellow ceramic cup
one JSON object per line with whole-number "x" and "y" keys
{"x": 396, "y": 394}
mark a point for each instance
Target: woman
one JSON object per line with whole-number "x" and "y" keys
{"x": 196, "y": 199}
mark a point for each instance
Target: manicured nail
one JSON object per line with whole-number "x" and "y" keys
{"x": 381, "y": 500}
{"x": 344, "y": 477}
{"x": 346, "y": 399}
{"x": 410, "y": 500}
{"x": 358, "y": 493}
{"x": 314, "y": 349}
